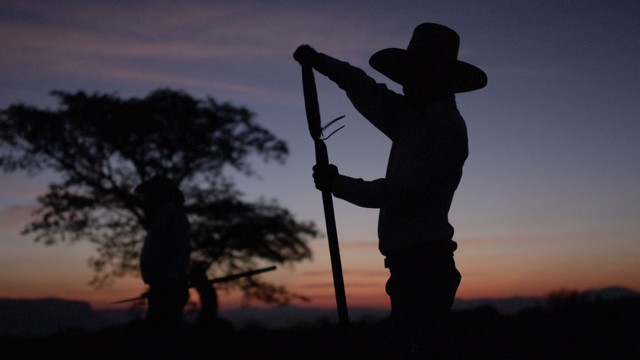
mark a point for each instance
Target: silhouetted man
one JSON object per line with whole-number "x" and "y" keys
{"x": 429, "y": 148}
{"x": 164, "y": 265}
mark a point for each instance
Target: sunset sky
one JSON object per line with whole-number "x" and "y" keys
{"x": 550, "y": 197}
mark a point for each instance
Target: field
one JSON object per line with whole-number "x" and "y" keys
{"x": 569, "y": 328}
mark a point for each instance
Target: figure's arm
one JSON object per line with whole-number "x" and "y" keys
{"x": 430, "y": 177}
{"x": 381, "y": 106}
{"x": 410, "y": 192}
{"x": 369, "y": 194}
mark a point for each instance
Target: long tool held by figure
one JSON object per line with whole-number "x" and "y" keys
{"x": 322, "y": 158}
{"x": 210, "y": 281}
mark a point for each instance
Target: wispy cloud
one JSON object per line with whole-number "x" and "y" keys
{"x": 164, "y": 30}
{"x": 316, "y": 273}
{"x": 319, "y": 285}
{"x": 14, "y": 217}
{"x": 204, "y": 45}
{"x": 359, "y": 245}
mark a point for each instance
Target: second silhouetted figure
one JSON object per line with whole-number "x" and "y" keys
{"x": 164, "y": 266}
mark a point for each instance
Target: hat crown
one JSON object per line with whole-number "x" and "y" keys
{"x": 161, "y": 188}
{"x": 432, "y": 54}
{"x": 434, "y": 41}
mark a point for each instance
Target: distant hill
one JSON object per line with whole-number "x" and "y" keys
{"x": 43, "y": 317}
{"x": 513, "y": 305}
{"x": 613, "y": 292}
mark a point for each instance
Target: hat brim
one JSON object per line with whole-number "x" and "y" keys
{"x": 400, "y": 65}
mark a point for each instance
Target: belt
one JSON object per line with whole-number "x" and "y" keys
{"x": 426, "y": 250}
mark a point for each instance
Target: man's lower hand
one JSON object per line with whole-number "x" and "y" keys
{"x": 323, "y": 176}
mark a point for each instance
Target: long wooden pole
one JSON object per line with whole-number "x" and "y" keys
{"x": 322, "y": 158}
{"x": 210, "y": 281}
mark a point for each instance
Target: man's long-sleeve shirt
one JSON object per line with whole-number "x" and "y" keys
{"x": 429, "y": 148}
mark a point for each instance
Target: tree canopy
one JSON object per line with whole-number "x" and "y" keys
{"x": 102, "y": 146}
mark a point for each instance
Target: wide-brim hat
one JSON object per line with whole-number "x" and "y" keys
{"x": 433, "y": 48}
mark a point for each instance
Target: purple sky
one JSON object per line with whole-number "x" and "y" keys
{"x": 550, "y": 194}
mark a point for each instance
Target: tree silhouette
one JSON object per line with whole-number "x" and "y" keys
{"x": 102, "y": 146}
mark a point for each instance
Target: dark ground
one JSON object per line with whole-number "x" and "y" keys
{"x": 568, "y": 329}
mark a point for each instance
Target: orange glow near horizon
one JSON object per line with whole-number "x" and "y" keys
{"x": 364, "y": 277}
{"x": 492, "y": 275}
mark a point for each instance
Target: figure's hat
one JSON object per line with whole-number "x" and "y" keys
{"x": 161, "y": 187}
{"x": 432, "y": 48}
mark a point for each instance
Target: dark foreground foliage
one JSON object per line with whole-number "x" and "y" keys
{"x": 574, "y": 330}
